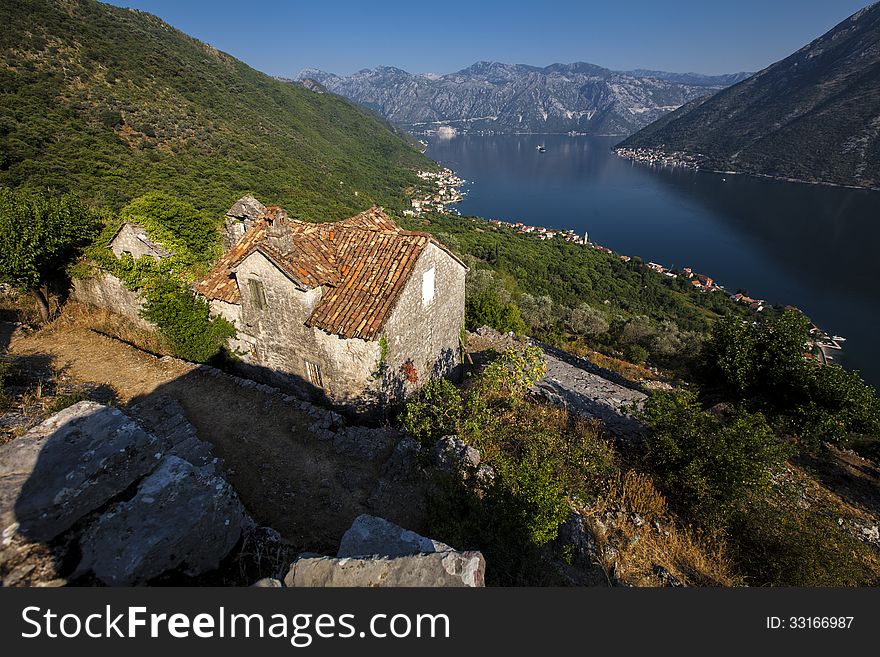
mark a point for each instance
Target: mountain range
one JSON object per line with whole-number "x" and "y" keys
{"x": 814, "y": 116}
{"x": 111, "y": 103}
{"x": 517, "y": 98}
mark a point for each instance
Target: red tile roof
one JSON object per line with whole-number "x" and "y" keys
{"x": 364, "y": 262}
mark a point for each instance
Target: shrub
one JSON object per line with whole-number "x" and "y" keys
{"x": 434, "y": 412}
{"x": 707, "y": 464}
{"x": 766, "y": 367}
{"x": 514, "y": 372}
{"x": 184, "y": 320}
{"x": 510, "y": 520}
{"x": 487, "y": 309}
{"x": 635, "y": 353}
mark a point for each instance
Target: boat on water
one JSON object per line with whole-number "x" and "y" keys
{"x": 837, "y": 338}
{"x": 540, "y": 149}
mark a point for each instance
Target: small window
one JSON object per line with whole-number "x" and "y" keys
{"x": 313, "y": 372}
{"x": 428, "y": 287}
{"x": 258, "y": 294}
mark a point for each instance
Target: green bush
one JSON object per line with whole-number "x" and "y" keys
{"x": 514, "y": 372}
{"x": 765, "y": 366}
{"x": 635, "y": 353}
{"x": 184, "y": 320}
{"x": 510, "y": 519}
{"x": 436, "y": 411}
{"x": 486, "y": 308}
{"x": 707, "y": 464}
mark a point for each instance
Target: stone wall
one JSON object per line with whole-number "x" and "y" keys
{"x": 107, "y": 291}
{"x": 283, "y": 343}
{"x": 133, "y": 240}
{"x": 426, "y": 334}
{"x": 274, "y": 337}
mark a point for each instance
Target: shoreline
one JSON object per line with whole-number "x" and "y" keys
{"x": 653, "y": 157}
{"x": 701, "y": 282}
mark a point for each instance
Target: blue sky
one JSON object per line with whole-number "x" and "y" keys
{"x": 441, "y": 36}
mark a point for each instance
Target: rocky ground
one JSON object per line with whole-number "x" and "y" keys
{"x": 574, "y": 383}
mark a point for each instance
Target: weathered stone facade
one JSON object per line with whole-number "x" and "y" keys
{"x": 272, "y": 333}
{"x": 133, "y": 240}
{"x": 240, "y": 218}
{"x": 356, "y": 312}
{"x": 276, "y": 327}
{"x": 426, "y": 333}
{"x": 107, "y": 291}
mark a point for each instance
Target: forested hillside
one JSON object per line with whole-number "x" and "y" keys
{"x": 112, "y": 103}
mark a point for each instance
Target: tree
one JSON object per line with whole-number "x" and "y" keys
{"x": 585, "y": 320}
{"x": 39, "y": 235}
{"x": 733, "y": 351}
{"x": 707, "y": 463}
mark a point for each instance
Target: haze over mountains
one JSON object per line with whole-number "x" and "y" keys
{"x": 517, "y": 98}
{"x": 814, "y": 116}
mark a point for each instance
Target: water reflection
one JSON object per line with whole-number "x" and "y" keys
{"x": 805, "y": 245}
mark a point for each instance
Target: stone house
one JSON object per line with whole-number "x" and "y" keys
{"x": 358, "y": 311}
{"x": 133, "y": 240}
{"x": 106, "y": 290}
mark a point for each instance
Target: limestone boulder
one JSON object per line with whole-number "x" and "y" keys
{"x": 70, "y": 465}
{"x": 182, "y": 518}
{"x": 370, "y": 535}
{"x": 439, "y": 569}
{"x": 450, "y": 454}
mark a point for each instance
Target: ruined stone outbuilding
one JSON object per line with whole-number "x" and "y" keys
{"x": 105, "y": 290}
{"x": 357, "y": 311}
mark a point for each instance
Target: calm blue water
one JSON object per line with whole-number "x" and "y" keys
{"x": 810, "y": 246}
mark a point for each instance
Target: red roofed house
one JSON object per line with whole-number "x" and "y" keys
{"x": 360, "y": 310}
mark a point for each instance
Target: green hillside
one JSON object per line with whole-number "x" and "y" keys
{"x": 112, "y": 103}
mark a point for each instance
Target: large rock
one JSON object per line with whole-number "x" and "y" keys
{"x": 451, "y": 454}
{"x": 369, "y": 535}
{"x": 451, "y": 569}
{"x": 182, "y": 518}
{"x": 70, "y": 465}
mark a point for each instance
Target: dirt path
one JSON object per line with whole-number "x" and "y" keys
{"x": 286, "y": 477}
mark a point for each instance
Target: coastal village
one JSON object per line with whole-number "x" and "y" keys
{"x": 660, "y": 158}
{"x": 447, "y": 191}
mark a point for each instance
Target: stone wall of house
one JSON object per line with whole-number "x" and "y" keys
{"x": 426, "y": 334}
{"x": 132, "y": 239}
{"x": 283, "y": 343}
{"x": 107, "y": 291}
{"x": 243, "y": 342}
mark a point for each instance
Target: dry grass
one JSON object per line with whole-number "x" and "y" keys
{"x": 629, "y": 371}
{"x": 642, "y": 544}
{"x": 77, "y": 315}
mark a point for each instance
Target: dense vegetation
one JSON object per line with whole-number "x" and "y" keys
{"x": 764, "y": 367}
{"x": 112, "y": 103}
{"x": 39, "y": 235}
{"x": 569, "y": 295}
{"x": 718, "y": 453}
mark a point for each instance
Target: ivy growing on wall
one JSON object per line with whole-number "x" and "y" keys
{"x": 182, "y": 318}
